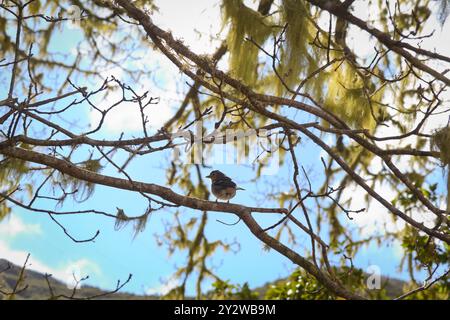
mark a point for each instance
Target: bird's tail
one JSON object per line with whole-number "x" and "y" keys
{"x": 239, "y": 188}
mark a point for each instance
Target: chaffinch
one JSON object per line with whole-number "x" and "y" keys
{"x": 222, "y": 186}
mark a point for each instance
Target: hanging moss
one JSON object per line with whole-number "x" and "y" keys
{"x": 140, "y": 224}
{"x": 440, "y": 141}
{"x": 295, "y": 57}
{"x": 448, "y": 190}
{"x": 34, "y": 7}
{"x": 12, "y": 170}
{"x": 351, "y": 98}
{"x": 244, "y": 23}
{"x": 121, "y": 219}
{"x": 84, "y": 189}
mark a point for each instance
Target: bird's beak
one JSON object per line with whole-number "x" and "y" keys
{"x": 208, "y": 176}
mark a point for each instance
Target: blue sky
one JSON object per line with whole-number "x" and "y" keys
{"x": 115, "y": 254}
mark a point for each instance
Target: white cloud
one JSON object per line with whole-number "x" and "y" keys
{"x": 73, "y": 271}
{"x": 164, "y": 288}
{"x": 198, "y": 30}
{"x": 126, "y": 117}
{"x": 12, "y": 226}
{"x": 164, "y": 82}
{"x": 439, "y": 40}
{"x": 376, "y": 218}
{"x": 80, "y": 268}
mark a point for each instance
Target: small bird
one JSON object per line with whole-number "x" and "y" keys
{"x": 222, "y": 186}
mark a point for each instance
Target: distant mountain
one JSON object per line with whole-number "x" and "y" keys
{"x": 38, "y": 289}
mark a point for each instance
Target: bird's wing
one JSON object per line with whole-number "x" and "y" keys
{"x": 225, "y": 182}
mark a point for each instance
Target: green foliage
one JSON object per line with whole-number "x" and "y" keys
{"x": 425, "y": 251}
{"x": 439, "y": 291}
{"x": 302, "y": 286}
{"x": 298, "y": 287}
{"x": 408, "y": 199}
{"x": 223, "y": 290}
